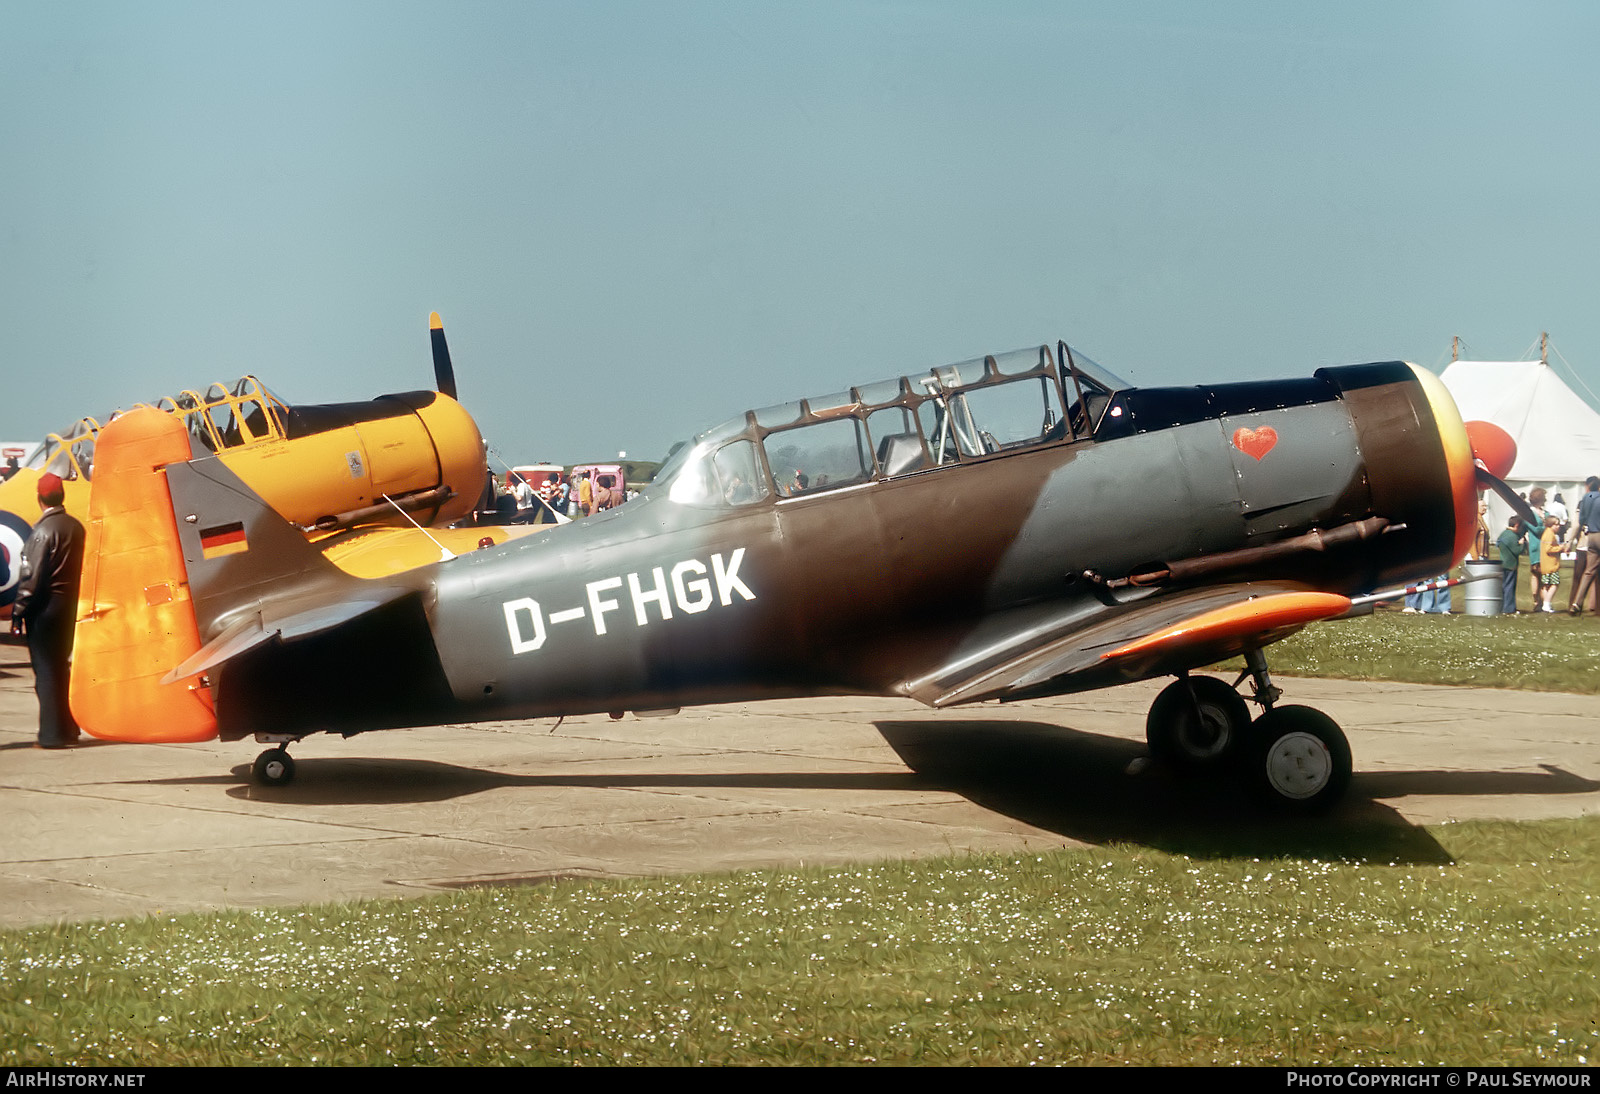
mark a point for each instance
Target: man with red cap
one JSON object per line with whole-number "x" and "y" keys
{"x": 46, "y": 606}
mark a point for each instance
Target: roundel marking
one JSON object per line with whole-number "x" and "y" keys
{"x": 13, "y": 534}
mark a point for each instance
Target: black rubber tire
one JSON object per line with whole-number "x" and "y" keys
{"x": 1208, "y": 743}
{"x": 274, "y": 767}
{"x": 1298, "y": 760}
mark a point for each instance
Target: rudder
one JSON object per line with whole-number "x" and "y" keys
{"x": 136, "y": 615}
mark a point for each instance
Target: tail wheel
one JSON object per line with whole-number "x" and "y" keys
{"x": 1298, "y": 759}
{"x": 1197, "y": 723}
{"x": 274, "y": 767}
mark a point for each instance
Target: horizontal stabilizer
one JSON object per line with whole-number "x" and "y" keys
{"x": 249, "y": 632}
{"x": 241, "y": 637}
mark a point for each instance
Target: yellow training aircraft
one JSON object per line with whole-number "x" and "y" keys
{"x": 361, "y": 480}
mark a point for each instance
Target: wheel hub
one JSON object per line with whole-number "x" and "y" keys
{"x": 1206, "y": 736}
{"x": 1299, "y": 765}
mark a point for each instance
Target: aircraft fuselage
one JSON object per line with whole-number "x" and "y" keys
{"x": 898, "y": 582}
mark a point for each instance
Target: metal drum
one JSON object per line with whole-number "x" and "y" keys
{"x": 1484, "y": 596}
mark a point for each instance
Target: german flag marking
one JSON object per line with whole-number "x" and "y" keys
{"x": 226, "y": 539}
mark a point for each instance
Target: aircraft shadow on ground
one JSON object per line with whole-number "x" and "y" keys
{"x": 1077, "y": 785}
{"x": 394, "y": 781}
{"x": 1056, "y": 778}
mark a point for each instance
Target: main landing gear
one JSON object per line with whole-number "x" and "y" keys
{"x": 1294, "y": 758}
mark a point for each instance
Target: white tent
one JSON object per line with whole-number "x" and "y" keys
{"x": 1557, "y": 433}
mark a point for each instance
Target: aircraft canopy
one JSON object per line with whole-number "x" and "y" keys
{"x": 951, "y": 414}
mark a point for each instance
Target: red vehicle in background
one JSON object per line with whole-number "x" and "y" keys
{"x": 604, "y": 477}
{"x": 11, "y": 457}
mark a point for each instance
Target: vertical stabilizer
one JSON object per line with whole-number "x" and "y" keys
{"x": 135, "y": 613}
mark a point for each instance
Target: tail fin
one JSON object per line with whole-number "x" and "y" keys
{"x": 252, "y": 575}
{"x": 243, "y": 559}
{"x": 185, "y": 569}
{"x": 135, "y": 614}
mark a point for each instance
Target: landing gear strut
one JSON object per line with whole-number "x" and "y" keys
{"x": 1295, "y": 759}
{"x": 1262, "y": 689}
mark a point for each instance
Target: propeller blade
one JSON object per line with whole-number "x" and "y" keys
{"x": 1487, "y": 478}
{"x": 444, "y": 374}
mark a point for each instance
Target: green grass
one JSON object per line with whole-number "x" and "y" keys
{"x": 1531, "y": 652}
{"x": 1482, "y": 954}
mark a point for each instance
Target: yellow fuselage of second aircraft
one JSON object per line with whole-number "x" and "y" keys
{"x": 330, "y": 469}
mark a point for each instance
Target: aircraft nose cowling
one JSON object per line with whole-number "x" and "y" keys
{"x": 1419, "y": 466}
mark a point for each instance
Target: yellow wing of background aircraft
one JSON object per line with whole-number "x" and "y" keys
{"x": 361, "y": 480}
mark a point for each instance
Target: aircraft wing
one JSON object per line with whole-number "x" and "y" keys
{"x": 1156, "y": 636}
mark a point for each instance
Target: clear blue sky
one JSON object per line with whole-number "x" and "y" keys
{"x": 640, "y": 218}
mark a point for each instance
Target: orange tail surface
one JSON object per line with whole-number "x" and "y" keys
{"x": 135, "y": 616}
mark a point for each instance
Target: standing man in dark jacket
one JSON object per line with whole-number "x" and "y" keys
{"x": 46, "y": 605}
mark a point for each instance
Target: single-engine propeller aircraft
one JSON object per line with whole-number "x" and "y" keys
{"x": 356, "y": 477}
{"x": 1009, "y": 527}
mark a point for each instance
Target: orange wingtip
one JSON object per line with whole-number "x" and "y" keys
{"x": 1260, "y": 615}
{"x": 434, "y": 322}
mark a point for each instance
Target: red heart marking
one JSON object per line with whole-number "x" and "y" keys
{"x": 1255, "y": 443}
